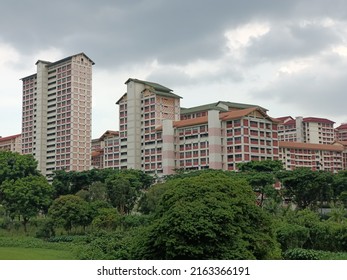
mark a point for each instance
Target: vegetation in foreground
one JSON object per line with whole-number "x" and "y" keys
{"x": 122, "y": 214}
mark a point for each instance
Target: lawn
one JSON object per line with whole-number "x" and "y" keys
{"x": 18, "y": 253}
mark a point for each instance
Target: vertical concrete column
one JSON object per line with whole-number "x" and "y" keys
{"x": 41, "y": 116}
{"x": 168, "y": 147}
{"x": 134, "y": 125}
{"x": 214, "y": 139}
{"x": 299, "y": 129}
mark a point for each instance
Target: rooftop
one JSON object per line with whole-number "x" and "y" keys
{"x": 220, "y": 106}
{"x": 309, "y": 146}
{"x": 342, "y": 126}
{"x": 318, "y": 120}
{"x": 9, "y": 137}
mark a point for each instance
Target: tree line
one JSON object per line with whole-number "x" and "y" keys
{"x": 210, "y": 214}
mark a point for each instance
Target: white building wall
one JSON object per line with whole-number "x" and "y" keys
{"x": 134, "y": 125}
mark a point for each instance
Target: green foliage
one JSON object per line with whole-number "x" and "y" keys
{"x": 70, "y": 211}
{"x": 107, "y": 219}
{"x": 46, "y": 229}
{"x": 150, "y": 200}
{"x": 268, "y": 166}
{"x": 301, "y": 254}
{"x": 103, "y": 245}
{"x": 306, "y": 187}
{"x": 291, "y": 236}
{"x": 339, "y": 185}
{"x": 26, "y": 197}
{"x": 124, "y": 189}
{"x": 135, "y": 221}
{"x": 97, "y": 192}
{"x": 71, "y": 182}
{"x": 337, "y": 214}
{"x": 210, "y": 216}
{"x": 14, "y": 166}
{"x": 261, "y": 175}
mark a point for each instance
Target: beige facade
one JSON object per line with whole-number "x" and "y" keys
{"x": 306, "y": 130}
{"x": 159, "y": 137}
{"x": 11, "y": 143}
{"x": 341, "y": 132}
{"x": 314, "y": 156}
{"x": 56, "y": 115}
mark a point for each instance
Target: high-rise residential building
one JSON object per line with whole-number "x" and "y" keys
{"x": 11, "y": 143}
{"x": 159, "y": 137}
{"x": 307, "y": 130}
{"x": 142, "y": 110}
{"x": 56, "y": 114}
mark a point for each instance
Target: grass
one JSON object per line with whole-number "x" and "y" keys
{"x": 18, "y": 253}
{"x": 13, "y": 247}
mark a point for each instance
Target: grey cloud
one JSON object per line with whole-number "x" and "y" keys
{"x": 119, "y": 32}
{"x": 321, "y": 91}
{"x": 285, "y": 42}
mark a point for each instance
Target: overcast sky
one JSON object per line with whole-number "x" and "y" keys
{"x": 287, "y": 56}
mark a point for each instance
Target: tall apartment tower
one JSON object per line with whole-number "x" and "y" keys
{"x": 142, "y": 109}
{"x": 56, "y": 114}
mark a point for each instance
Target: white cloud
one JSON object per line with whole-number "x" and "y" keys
{"x": 241, "y": 36}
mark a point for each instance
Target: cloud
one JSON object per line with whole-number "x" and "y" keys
{"x": 317, "y": 89}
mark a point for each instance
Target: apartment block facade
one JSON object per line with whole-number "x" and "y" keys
{"x": 56, "y": 114}
{"x": 11, "y": 143}
{"x": 158, "y": 136}
{"x": 307, "y": 130}
{"x": 314, "y": 156}
{"x": 341, "y": 132}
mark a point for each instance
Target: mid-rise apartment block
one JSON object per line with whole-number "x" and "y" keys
{"x": 56, "y": 114}
{"x": 307, "y": 130}
{"x": 158, "y": 136}
{"x": 341, "y": 132}
{"x": 314, "y": 156}
{"x": 11, "y": 143}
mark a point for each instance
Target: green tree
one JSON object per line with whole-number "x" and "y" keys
{"x": 261, "y": 175}
{"x": 125, "y": 188}
{"x": 107, "y": 218}
{"x": 269, "y": 166}
{"x": 14, "y": 166}
{"x": 70, "y": 211}
{"x": 210, "y": 216}
{"x": 339, "y": 185}
{"x": 149, "y": 202}
{"x": 26, "y": 197}
{"x": 306, "y": 187}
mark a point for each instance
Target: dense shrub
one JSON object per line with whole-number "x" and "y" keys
{"x": 291, "y": 236}
{"x": 301, "y": 254}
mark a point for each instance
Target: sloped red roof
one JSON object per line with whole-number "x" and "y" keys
{"x": 282, "y": 119}
{"x": 290, "y": 122}
{"x": 318, "y": 120}
{"x": 342, "y": 126}
{"x": 238, "y": 113}
{"x": 9, "y": 137}
{"x": 190, "y": 122}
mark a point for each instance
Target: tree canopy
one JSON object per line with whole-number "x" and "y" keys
{"x": 26, "y": 197}
{"x": 14, "y": 166}
{"x": 210, "y": 216}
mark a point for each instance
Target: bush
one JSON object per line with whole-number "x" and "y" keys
{"x": 301, "y": 254}
{"x": 45, "y": 229}
{"x": 291, "y": 236}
